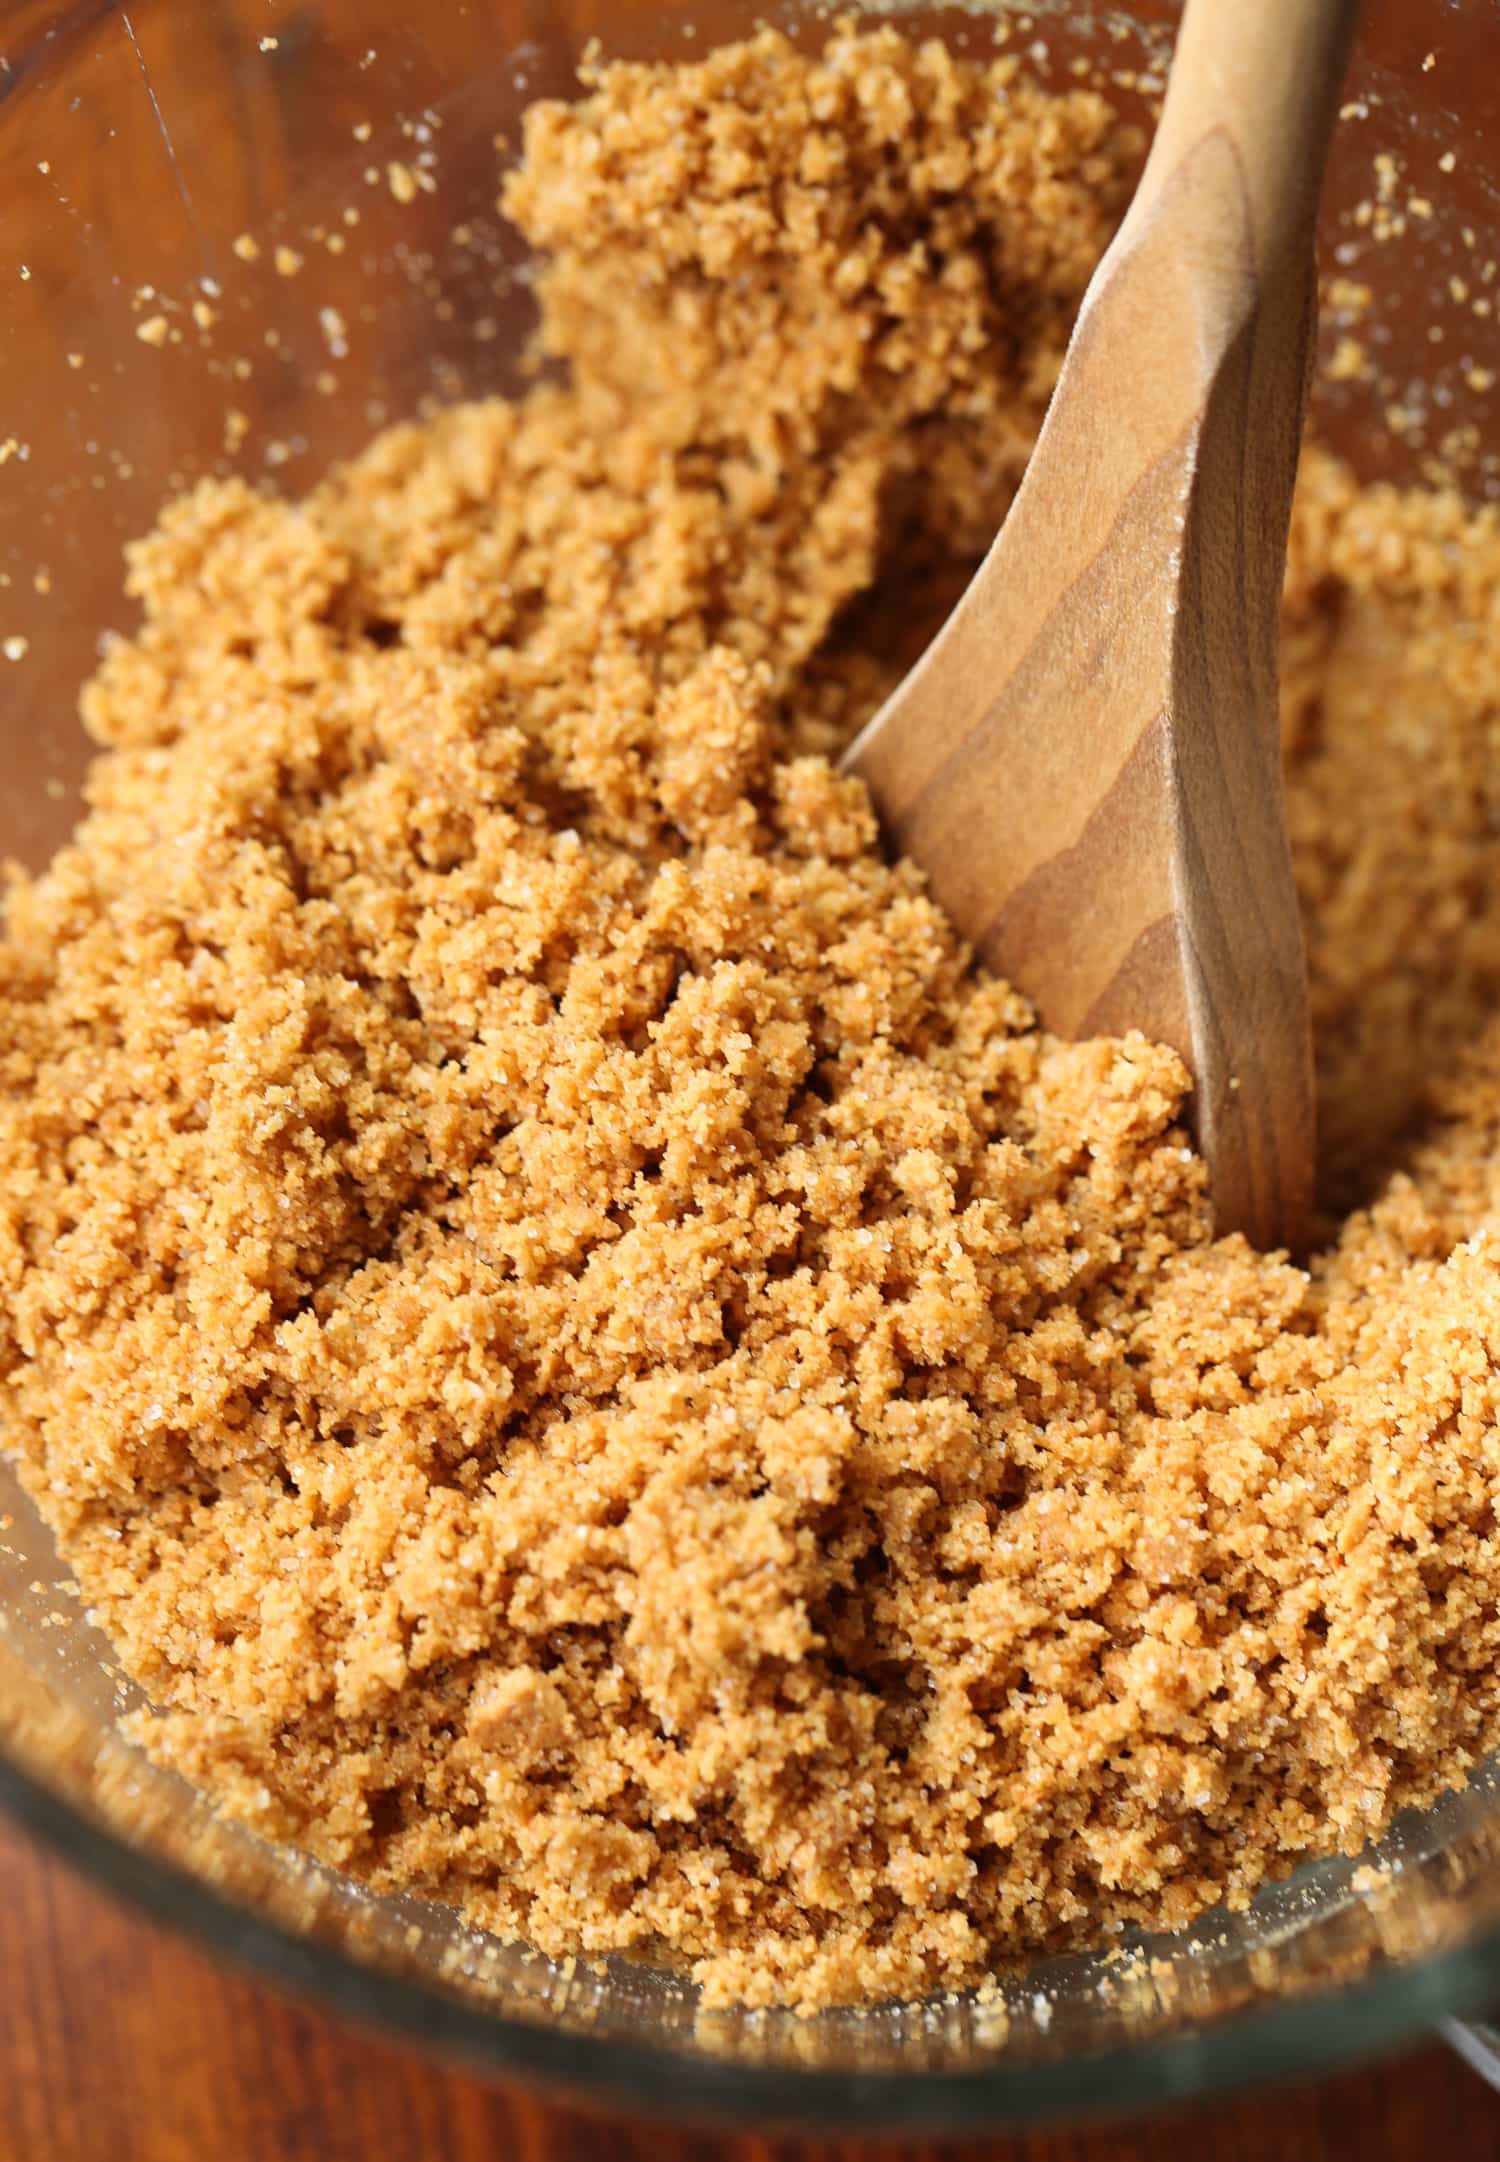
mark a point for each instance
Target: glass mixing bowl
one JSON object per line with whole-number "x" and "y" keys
{"x": 153, "y": 161}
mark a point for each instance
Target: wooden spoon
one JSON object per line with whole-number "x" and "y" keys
{"x": 1086, "y": 761}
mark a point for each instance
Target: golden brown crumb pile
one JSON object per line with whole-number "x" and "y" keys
{"x": 591, "y": 1366}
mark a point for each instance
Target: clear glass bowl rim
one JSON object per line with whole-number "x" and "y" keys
{"x": 1297, "y": 2036}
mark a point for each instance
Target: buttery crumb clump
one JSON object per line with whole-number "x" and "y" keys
{"x": 592, "y": 1365}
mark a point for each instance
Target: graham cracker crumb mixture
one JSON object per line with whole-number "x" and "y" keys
{"x": 591, "y": 1365}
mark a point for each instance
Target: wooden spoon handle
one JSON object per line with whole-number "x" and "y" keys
{"x": 1086, "y": 762}
{"x": 1249, "y": 114}
{"x": 1268, "y": 75}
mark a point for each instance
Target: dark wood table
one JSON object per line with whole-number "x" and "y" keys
{"x": 119, "y": 2043}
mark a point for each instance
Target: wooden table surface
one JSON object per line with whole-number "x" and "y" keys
{"x": 119, "y": 2043}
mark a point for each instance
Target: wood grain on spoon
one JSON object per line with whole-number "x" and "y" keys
{"x": 1086, "y": 761}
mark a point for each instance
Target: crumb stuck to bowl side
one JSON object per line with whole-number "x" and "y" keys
{"x": 591, "y": 1365}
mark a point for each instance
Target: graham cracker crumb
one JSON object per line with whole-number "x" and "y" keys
{"x": 593, "y": 1366}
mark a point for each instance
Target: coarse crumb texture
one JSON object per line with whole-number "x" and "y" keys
{"x": 591, "y": 1365}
